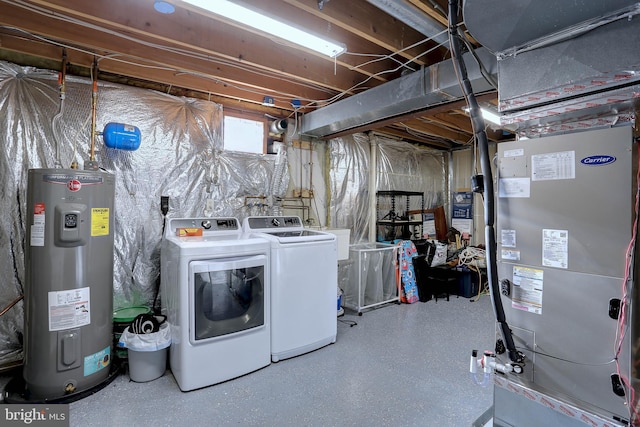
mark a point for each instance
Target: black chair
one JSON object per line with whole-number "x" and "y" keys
{"x": 434, "y": 282}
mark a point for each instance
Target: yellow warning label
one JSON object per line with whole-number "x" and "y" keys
{"x": 99, "y": 222}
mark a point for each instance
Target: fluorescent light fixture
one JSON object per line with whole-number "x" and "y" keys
{"x": 489, "y": 116}
{"x": 269, "y": 25}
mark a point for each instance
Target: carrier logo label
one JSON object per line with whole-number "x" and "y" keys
{"x": 598, "y": 160}
{"x": 74, "y": 185}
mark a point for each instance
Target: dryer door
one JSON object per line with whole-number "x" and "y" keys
{"x": 227, "y": 296}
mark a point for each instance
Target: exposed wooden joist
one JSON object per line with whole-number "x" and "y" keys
{"x": 366, "y": 21}
{"x": 435, "y": 130}
{"x": 423, "y": 140}
{"x": 48, "y": 56}
{"x": 229, "y": 74}
{"x": 210, "y": 35}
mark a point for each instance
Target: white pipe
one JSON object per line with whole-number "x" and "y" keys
{"x": 488, "y": 364}
{"x": 373, "y": 184}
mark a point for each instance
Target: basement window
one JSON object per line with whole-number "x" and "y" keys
{"x": 244, "y": 133}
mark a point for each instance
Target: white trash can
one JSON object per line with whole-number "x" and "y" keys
{"x": 147, "y": 353}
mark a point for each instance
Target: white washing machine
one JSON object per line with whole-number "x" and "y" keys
{"x": 215, "y": 293}
{"x": 304, "y": 274}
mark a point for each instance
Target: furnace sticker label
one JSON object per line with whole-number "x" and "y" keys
{"x": 514, "y": 187}
{"x": 69, "y": 309}
{"x": 510, "y": 255}
{"x": 508, "y": 238}
{"x": 99, "y": 222}
{"x": 555, "y": 248}
{"x": 37, "y": 227}
{"x": 551, "y": 166}
{"x": 516, "y": 152}
{"x": 527, "y": 289}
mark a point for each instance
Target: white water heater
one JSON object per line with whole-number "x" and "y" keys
{"x": 69, "y": 281}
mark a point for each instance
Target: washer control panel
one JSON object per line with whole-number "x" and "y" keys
{"x": 207, "y": 225}
{"x": 262, "y": 222}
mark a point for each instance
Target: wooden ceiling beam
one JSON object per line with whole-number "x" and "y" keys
{"x": 432, "y": 12}
{"x": 435, "y": 130}
{"x": 398, "y": 133}
{"x": 217, "y": 43}
{"x": 241, "y": 44}
{"x": 366, "y": 21}
{"x": 372, "y": 64}
{"x": 160, "y": 80}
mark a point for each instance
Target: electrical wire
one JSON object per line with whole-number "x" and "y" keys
{"x": 390, "y": 56}
{"x": 627, "y": 285}
{"x": 192, "y": 54}
{"x": 489, "y": 211}
{"x": 281, "y": 96}
{"x": 574, "y": 362}
{"x": 352, "y": 88}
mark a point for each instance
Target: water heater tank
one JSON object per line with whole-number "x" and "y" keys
{"x": 69, "y": 281}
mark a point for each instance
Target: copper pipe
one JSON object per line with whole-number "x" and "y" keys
{"x": 63, "y": 73}
{"x": 94, "y": 105}
{"x": 14, "y": 302}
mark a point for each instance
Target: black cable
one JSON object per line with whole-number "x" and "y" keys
{"x": 351, "y": 323}
{"x": 164, "y": 208}
{"x": 485, "y": 162}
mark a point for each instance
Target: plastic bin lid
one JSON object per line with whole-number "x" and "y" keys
{"x": 127, "y": 314}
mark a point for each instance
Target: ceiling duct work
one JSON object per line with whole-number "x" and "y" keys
{"x": 409, "y": 14}
{"x": 561, "y": 62}
{"x": 422, "y": 89}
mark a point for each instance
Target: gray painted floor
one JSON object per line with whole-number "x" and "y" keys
{"x": 402, "y": 365}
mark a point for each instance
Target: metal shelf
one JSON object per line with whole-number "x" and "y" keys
{"x": 397, "y": 216}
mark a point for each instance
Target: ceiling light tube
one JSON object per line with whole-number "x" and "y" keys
{"x": 258, "y": 21}
{"x": 489, "y": 116}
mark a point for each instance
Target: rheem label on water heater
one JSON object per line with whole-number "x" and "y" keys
{"x": 69, "y": 309}
{"x": 37, "y": 226}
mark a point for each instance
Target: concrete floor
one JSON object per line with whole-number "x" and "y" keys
{"x": 401, "y": 365}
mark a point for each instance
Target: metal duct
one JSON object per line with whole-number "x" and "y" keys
{"x": 562, "y": 66}
{"x": 427, "y": 87}
{"x": 405, "y": 12}
{"x": 502, "y": 24}
{"x": 601, "y": 59}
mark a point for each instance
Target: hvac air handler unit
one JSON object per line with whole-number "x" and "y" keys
{"x": 69, "y": 282}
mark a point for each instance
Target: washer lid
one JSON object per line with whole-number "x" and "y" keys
{"x": 296, "y": 236}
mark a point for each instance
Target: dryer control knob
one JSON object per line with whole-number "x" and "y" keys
{"x": 275, "y": 222}
{"x": 206, "y": 224}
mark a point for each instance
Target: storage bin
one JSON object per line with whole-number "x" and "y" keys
{"x": 468, "y": 282}
{"x": 372, "y": 276}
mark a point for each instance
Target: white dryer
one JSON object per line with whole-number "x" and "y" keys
{"x": 215, "y": 294}
{"x": 304, "y": 274}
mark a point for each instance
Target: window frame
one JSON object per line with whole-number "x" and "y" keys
{"x": 246, "y": 116}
